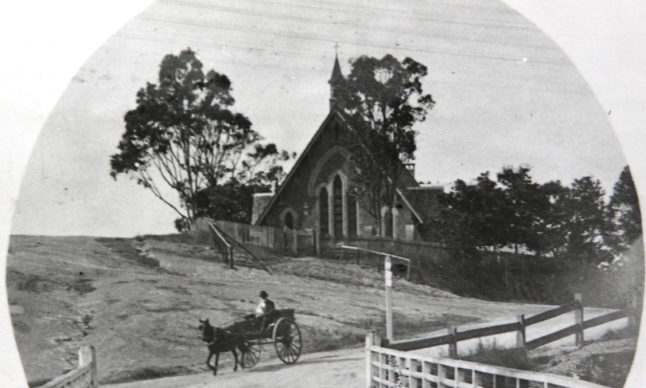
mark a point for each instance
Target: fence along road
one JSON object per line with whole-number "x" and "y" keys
{"x": 85, "y": 376}
{"x": 387, "y": 368}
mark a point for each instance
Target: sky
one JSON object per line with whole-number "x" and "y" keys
{"x": 44, "y": 44}
{"x": 506, "y": 95}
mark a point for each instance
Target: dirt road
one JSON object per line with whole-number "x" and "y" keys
{"x": 66, "y": 292}
{"x": 346, "y": 368}
{"x": 343, "y": 368}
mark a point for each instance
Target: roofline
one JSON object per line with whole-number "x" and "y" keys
{"x": 397, "y": 189}
{"x": 410, "y": 206}
{"x": 280, "y": 189}
{"x": 296, "y": 165}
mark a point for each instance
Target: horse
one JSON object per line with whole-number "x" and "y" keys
{"x": 220, "y": 340}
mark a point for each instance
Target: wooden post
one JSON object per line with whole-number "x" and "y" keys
{"x": 520, "y": 334}
{"x": 388, "y": 274}
{"x": 230, "y": 253}
{"x": 578, "y": 317}
{"x": 408, "y": 270}
{"x": 295, "y": 242}
{"x": 453, "y": 345}
{"x": 371, "y": 338}
{"x": 87, "y": 355}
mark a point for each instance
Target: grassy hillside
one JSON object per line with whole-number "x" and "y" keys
{"x": 138, "y": 302}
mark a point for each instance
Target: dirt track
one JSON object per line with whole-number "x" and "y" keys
{"x": 343, "y": 368}
{"x": 66, "y": 292}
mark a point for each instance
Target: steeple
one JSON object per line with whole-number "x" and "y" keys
{"x": 336, "y": 82}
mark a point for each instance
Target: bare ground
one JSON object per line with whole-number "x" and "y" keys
{"x": 138, "y": 302}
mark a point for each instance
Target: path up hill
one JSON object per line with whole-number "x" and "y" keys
{"x": 138, "y": 302}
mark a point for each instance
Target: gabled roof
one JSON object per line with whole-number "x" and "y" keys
{"x": 299, "y": 161}
{"x": 333, "y": 113}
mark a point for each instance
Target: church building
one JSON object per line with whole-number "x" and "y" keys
{"x": 314, "y": 195}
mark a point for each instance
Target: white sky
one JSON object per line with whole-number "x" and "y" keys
{"x": 506, "y": 95}
{"x": 480, "y": 121}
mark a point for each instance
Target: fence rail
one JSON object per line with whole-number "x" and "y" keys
{"x": 85, "y": 376}
{"x": 287, "y": 241}
{"x": 222, "y": 244}
{"x": 454, "y": 336}
{"x": 391, "y": 368}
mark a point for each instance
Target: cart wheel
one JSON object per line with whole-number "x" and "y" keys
{"x": 287, "y": 340}
{"x": 250, "y": 354}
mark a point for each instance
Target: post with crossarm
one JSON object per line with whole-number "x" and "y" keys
{"x": 388, "y": 274}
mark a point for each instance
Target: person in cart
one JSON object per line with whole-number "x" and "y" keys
{"x": 264, "y": 309}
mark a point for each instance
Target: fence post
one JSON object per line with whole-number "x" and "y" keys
{"x": 520, "y": 334}
{"x": 453, "y": 345}
{"x": 87, "y": 355}
{"x": 230, "y": 254}
{"x": 370, "y": 342}
{"x": 578, "y": 317}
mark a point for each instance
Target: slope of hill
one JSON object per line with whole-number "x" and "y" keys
{"x": 138, "y": 302}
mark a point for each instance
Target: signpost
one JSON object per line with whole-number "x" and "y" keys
{"x": 388, "y": 280}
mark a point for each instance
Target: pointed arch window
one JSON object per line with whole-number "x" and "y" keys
{"x": 289, "y": 220}
{"x": 324, "y": 213}
{"x": 337, "y": 206}
{"x": 388, "y": 218}
{"x": 352, "y": 215}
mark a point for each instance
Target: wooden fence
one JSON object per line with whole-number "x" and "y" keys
{"x": 222, "y": 245}
{"x": 85, "y": 376}
{"x": 286, "y": 241}
{"x": 391, "y": 368}
{"x": 454, "y": 336}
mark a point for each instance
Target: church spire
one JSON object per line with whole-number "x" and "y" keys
{"x": 336, "y": 82}
{"x": 337, "y": 76}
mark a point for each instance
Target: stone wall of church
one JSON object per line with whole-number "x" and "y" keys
{"x": 326, "y": 159}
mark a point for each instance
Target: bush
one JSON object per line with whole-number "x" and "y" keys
{"x": 508, "y": 358}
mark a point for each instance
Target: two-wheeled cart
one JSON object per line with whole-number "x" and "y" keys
{"x": 277, "y": 328}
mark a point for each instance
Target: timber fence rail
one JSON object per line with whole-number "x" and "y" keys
{"x": 84, "y": 376}
{"x": 222, "y": 244}
{"x": 454, "y": 335}
{"x": 288, "y": 241}
{"x": 392, "y": 368}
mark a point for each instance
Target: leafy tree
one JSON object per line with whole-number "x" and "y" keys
{"x": 183, "y": 134}
{"x": 586, "y": 227}
{"x": 231, "y": 201}
{"x": 383, "y": 99}
{"x": 567, "y": 222}
{"x": 549, "y": 232}
{"x": 527, "y": 205}
{"x": 624, "y": 209}
{"x": 472, "y": 215}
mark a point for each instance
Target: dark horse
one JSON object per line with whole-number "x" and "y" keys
{"x": 220, "y": 340}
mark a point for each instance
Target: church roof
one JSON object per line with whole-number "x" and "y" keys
{"x": 299, "y": 161}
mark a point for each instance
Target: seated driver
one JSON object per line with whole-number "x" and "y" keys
{"x": 265, "y": 307}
